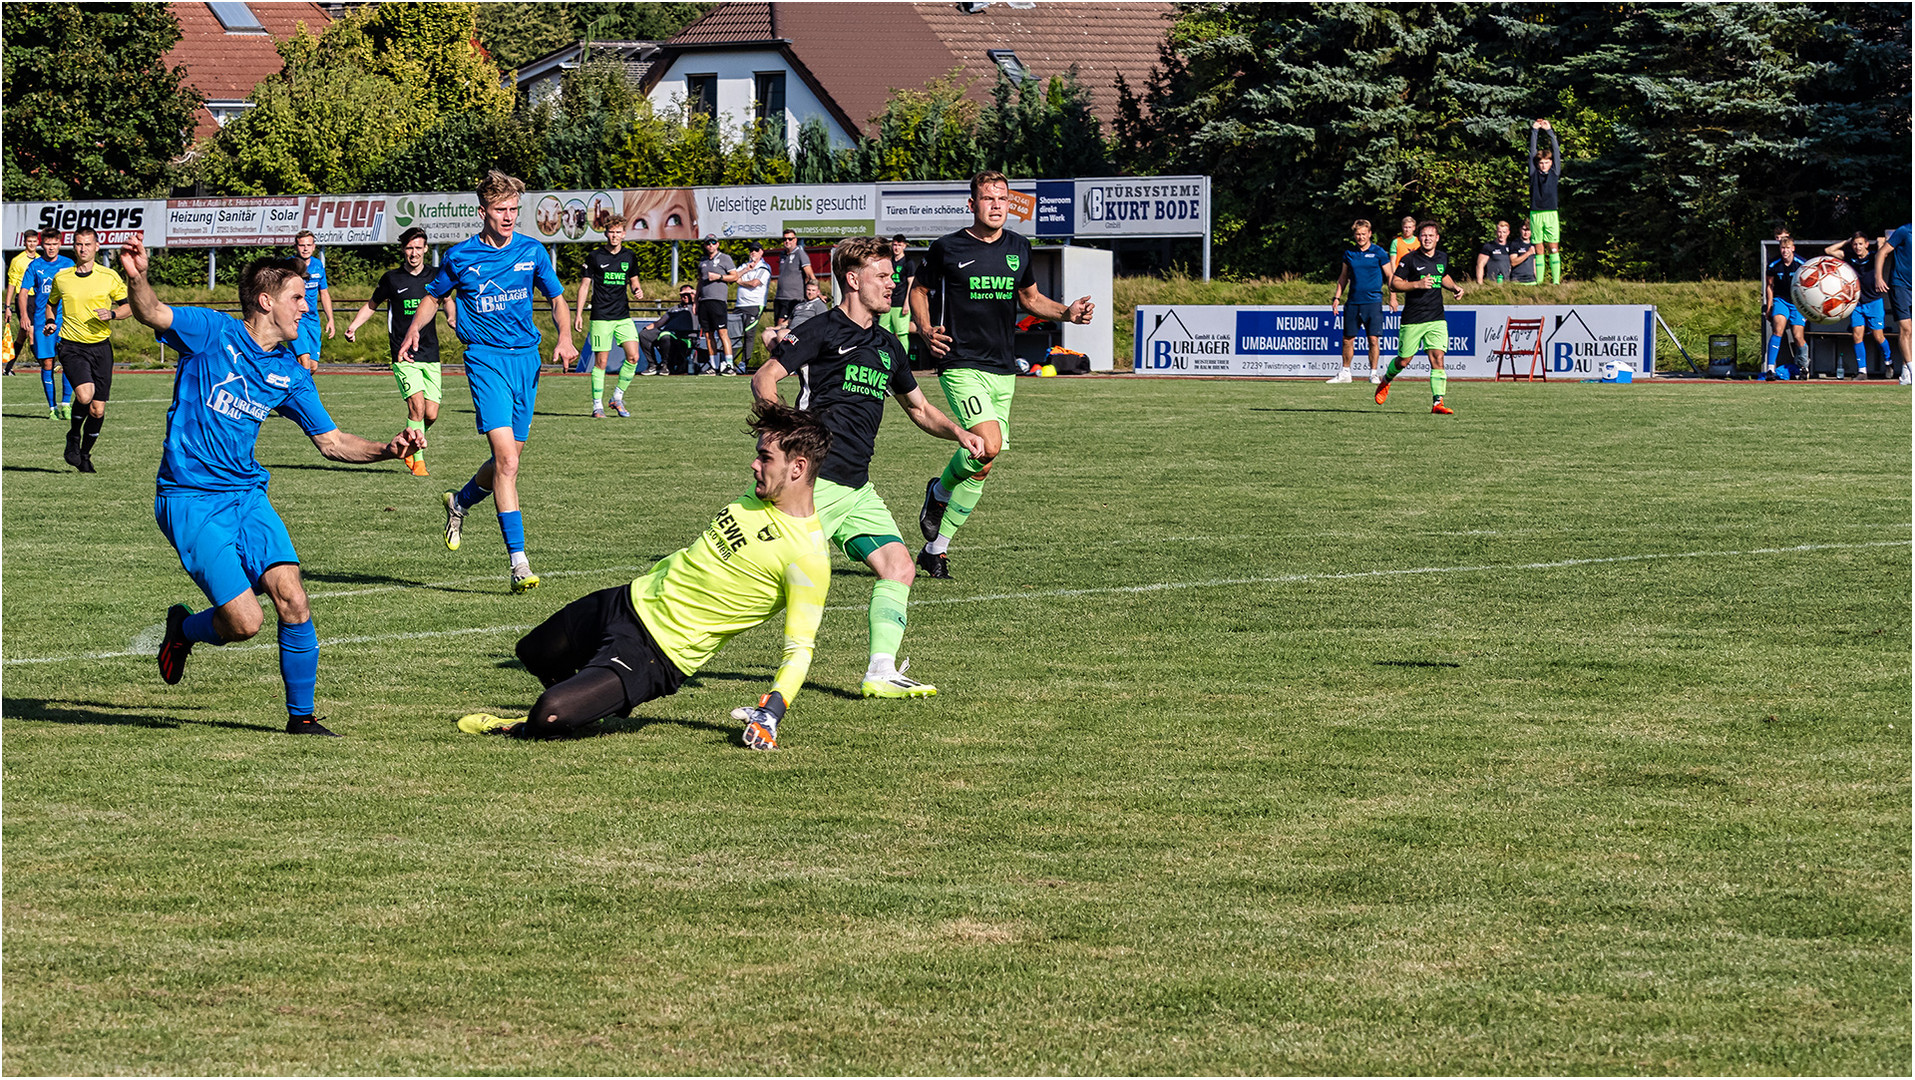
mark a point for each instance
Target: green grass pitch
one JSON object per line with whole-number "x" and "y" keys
{"x": 1280, "y": 732}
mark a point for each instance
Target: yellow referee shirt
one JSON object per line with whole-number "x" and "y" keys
{"x": 750, "y": 561}
{"x": 17, "y": 269}
{"x": 82, "y": 294}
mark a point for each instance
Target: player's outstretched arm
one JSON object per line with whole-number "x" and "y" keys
{"x": 932, "y": 421}
{"x": 344, "y": 446}
{"x": 1079, "y": 310}
{"x": 325, "y": 302}
{"x": 764, "y": 381}
{"x": 1452, "y": 286}
{"x": 584, "y": 296}
{"x": 140, "y": 298}
{"x": 358, "y": 320}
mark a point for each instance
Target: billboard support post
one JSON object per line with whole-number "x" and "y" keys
{"x": 212, "y": 267}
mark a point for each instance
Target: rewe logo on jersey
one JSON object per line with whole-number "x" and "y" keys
{"x": 231, "y": 397}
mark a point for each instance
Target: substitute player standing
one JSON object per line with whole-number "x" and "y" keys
{"x": 847, "y": 364}
{"x": 981, "y": 274}
{"x": 1892, "y": 280}
{"x": 85, "y": 295}
{"x": 1363, "y": 271}
{"x": 1404, "y": 243}
{"x": 1859, "y": 252}
{"x": 495, "y": 272}
{"x": 608, "y": 285}
{"x": 618, "y": 648}
{"x": 211, "y": 503}
{"x": 904, "y": 271}
{"x": 1545, "y": 169}
{"x": 1421, "y": 276}
{"x": 36, "y": 287}
{"x": 401, "y": 290}
{"x": 1778, "y": 300}
{"x": 318, "y": 298}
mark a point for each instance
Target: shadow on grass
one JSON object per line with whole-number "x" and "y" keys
{"x": 334, "y": 578}
{"x": 58, "y": 711}
{"x": 1361, "y": 412}
{"x": 1415, "y": 663}
{"x": 739, "y": 676}
{"x": 31, "y": 468}
{"x": 307, "y": 465}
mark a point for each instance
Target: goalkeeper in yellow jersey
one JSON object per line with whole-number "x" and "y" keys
{"x": 617, "y": 648}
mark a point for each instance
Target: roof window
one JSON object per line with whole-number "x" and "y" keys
{"x": 236, "y": 18}
{"x": 1006, "y": 59}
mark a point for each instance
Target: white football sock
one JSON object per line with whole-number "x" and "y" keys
{"x": 939, "y": 546}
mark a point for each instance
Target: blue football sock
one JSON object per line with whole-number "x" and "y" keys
{"x": 472, "y": 494}
{"x": 68, "y": 399}
{"x": 46, "y": 381}
{"x": 199, "y": 628}
{"x": 1861, "y": 360}
{"x": 299, "y": 665}
{"x": 1775, "y": 347}
{"x": 514, "y": 529}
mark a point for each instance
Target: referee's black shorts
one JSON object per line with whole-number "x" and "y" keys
{"x": 711, "y": 315}
{"x": 601, "y": 630}
{"x": 88, "y": 362}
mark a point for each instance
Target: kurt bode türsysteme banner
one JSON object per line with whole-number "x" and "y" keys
{"x": 1308, "y": 342}
{"x": 1155, "y": 206}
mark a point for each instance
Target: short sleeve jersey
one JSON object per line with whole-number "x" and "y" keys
{"x": 37, "y": 282}
{"x": 1525, "y": 270}
{"x": 1864, "y": 267}
{"x": 495, "y": 289}
{"x": 902, "y": 272}
{"x": 750, "y": 561}
{"x": 715, "y": 290}
{"x": 1400, "y": 247}
{"x": 80, "y": 295}
{"x": 611, "y": 277}
{"x": 806, "y": 311}
{"x": 974, "y": 288}
{"x": 752, "y": 284}
{"x": 315, "y": 281}
{"x": 401, "y": 292}
{"x": 1366, "y": 267}
{"x": 845, "y": 371}
{"x": 1782, "y": 277}
{"x": 1898, "y": 260}
{"x": 791, "y": 272}
{"x": 18, "y": 267}
{"x": 1498, "y": 252}
{"x": 1424, "y": 305}
{"x": 225, "y": 388}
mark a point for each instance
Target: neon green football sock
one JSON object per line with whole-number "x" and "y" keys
{"x": 964, "y": 499}
{"x": 420, "y": 427}
{"x": 1439, "y": 382}
{"x": 888, "y": 602}
{"x": 959, "y": 469}
{"x": 625, "y": 376}
{"x": 1555, "y": 268}
{"x": 598, "y": 387}
{"x": 1395, "y": 369}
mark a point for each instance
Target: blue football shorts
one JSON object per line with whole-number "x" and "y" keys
{"x": 225, "y": 539}
{"x": 1362, "y": 320}
{"x": 307, "y": 343}
{"x": 1868, "y": 316}
{"x": 505, "y": 387}
{"x": 45, "y": 346}
{"x": 1898, "y": 297}
{"x": 1780, "y": 308}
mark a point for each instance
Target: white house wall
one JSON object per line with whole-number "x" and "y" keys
{"x": 736, "y": 73}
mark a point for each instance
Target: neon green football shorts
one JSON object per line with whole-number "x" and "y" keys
{"x": 854, "y": 519}
{"x": 417, "y": 378}
{"x": 607, "y": 333}
{"x": 1544, "y": 228}
{"x": 898, "y": 321}
{"x": 977, "y": 396}
{"x": 1419, "y": 337}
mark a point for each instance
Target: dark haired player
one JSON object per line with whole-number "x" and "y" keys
{"x": 36, "y": 287}
{"x": 212, "y": 504}
{"x": 318, "y": 298}
{"x": 847, "y": 364}
{"x": 981, "y": 275}
{"x": 1892, "y": 280}
{"x": 87, "y": 295}
{"x": 1421, "y": 276}
{"x": 608, "y": 285}
{"x": 402, "y": 289}
{"x": 1778, "y": 300}
{"x": 1363, "y": 271}
{"x": 1859, "y": 252}
{"x": 1545, "y": 170}
{"x": 612, "y": 650}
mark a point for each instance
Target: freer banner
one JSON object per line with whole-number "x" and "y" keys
{"x": 1302, "y": 342}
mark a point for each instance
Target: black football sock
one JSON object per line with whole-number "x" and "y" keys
{"x": 92, "y": 433}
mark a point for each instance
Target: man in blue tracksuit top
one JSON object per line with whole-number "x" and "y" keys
{"x": 495, "y": 273}
{"x": 211, "y": 501}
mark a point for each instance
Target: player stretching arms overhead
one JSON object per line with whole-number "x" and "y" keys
{"x": 212, "y": 504}
{"x": 847, "y": 364}
{"x": 981, "y": 275}
{"x": 495, "y": 272}
{"x": 401, "y": 290}
{"x": 617, "y": 648}
{"x": 1422, "y": 275}
{"x": 1545, "y": 169}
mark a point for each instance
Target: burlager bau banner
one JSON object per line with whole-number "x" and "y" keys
{"x": 1285, "y": 342}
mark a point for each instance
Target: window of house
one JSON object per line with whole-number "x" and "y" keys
{"x": 701, "y": 95}
{"x": 237, "y": 18}
{"x": 768, "y": 94}
{"x": 1006, "y": 60}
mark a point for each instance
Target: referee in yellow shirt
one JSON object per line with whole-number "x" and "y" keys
{"x": 91, "y": 295}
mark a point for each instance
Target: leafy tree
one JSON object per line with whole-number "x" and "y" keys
{"x": 454, "y": 153}
{"x": 586, "y": 125}
{"x": 92, "y": 110}
{"x": 1042, "y": 128}
{"x": 926, "y": 134}
{"x": 517, "y": 33}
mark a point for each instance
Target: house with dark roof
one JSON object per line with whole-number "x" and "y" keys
{"x": 227, "y": 48}
{"x": 540, "y": 79}
{"x": 841, "y": 62}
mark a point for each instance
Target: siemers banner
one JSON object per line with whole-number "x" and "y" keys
{"x": 1308, "y": 342}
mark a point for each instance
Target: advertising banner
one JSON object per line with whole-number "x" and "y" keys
{"x": 813, "y": 210}
{"x": 1308, "y": 342}
{"x": 447, "y": 218}
{"x": 1142, "y": 206}
{"x": 931, "y": 208}
{"x": 113, "y": 219}
{"x": 332, "y": 219}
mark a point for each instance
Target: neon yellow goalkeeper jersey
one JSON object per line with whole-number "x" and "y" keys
{"x": 749, "y": 562}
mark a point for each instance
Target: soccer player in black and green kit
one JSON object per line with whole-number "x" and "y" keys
{"x": 1545, "y": 169}
{"x": 1421, "y": 276}
{"x": 847, "y": 364}
{"x": 608, "y": 286}
{"x": 401, "y": 289}
{"x": 979, "y": 277}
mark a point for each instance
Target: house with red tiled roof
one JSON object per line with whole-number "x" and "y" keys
{"x": 841, "y": 62}
{"x": 227, "y": 48}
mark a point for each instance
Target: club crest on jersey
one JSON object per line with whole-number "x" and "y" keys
{"x": 231, "y": 397}
{"x": 1012, "y": 261}
{"x": 767, "y": 534}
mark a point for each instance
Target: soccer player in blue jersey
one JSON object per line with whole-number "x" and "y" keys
{"x": 211, "y": 503}
{"x": 1858, "y": 252}
{"x": 1892, "y": 280}
{"x": 1778, "y": 300}
{"x": 495, "y": 272}
{"x": 318, "y": 298}
{"x": 36, "y": 288}
{"x": 1362, "y": 270}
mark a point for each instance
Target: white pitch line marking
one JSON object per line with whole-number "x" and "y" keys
{"x": 1112, "y": 590}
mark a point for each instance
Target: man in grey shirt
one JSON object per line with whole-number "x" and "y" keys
{"x": 1493, "y": 259}
{"x": 716, "y": 272}
{"x": 794, "y": 270}
{"x": 813, "y": 305}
